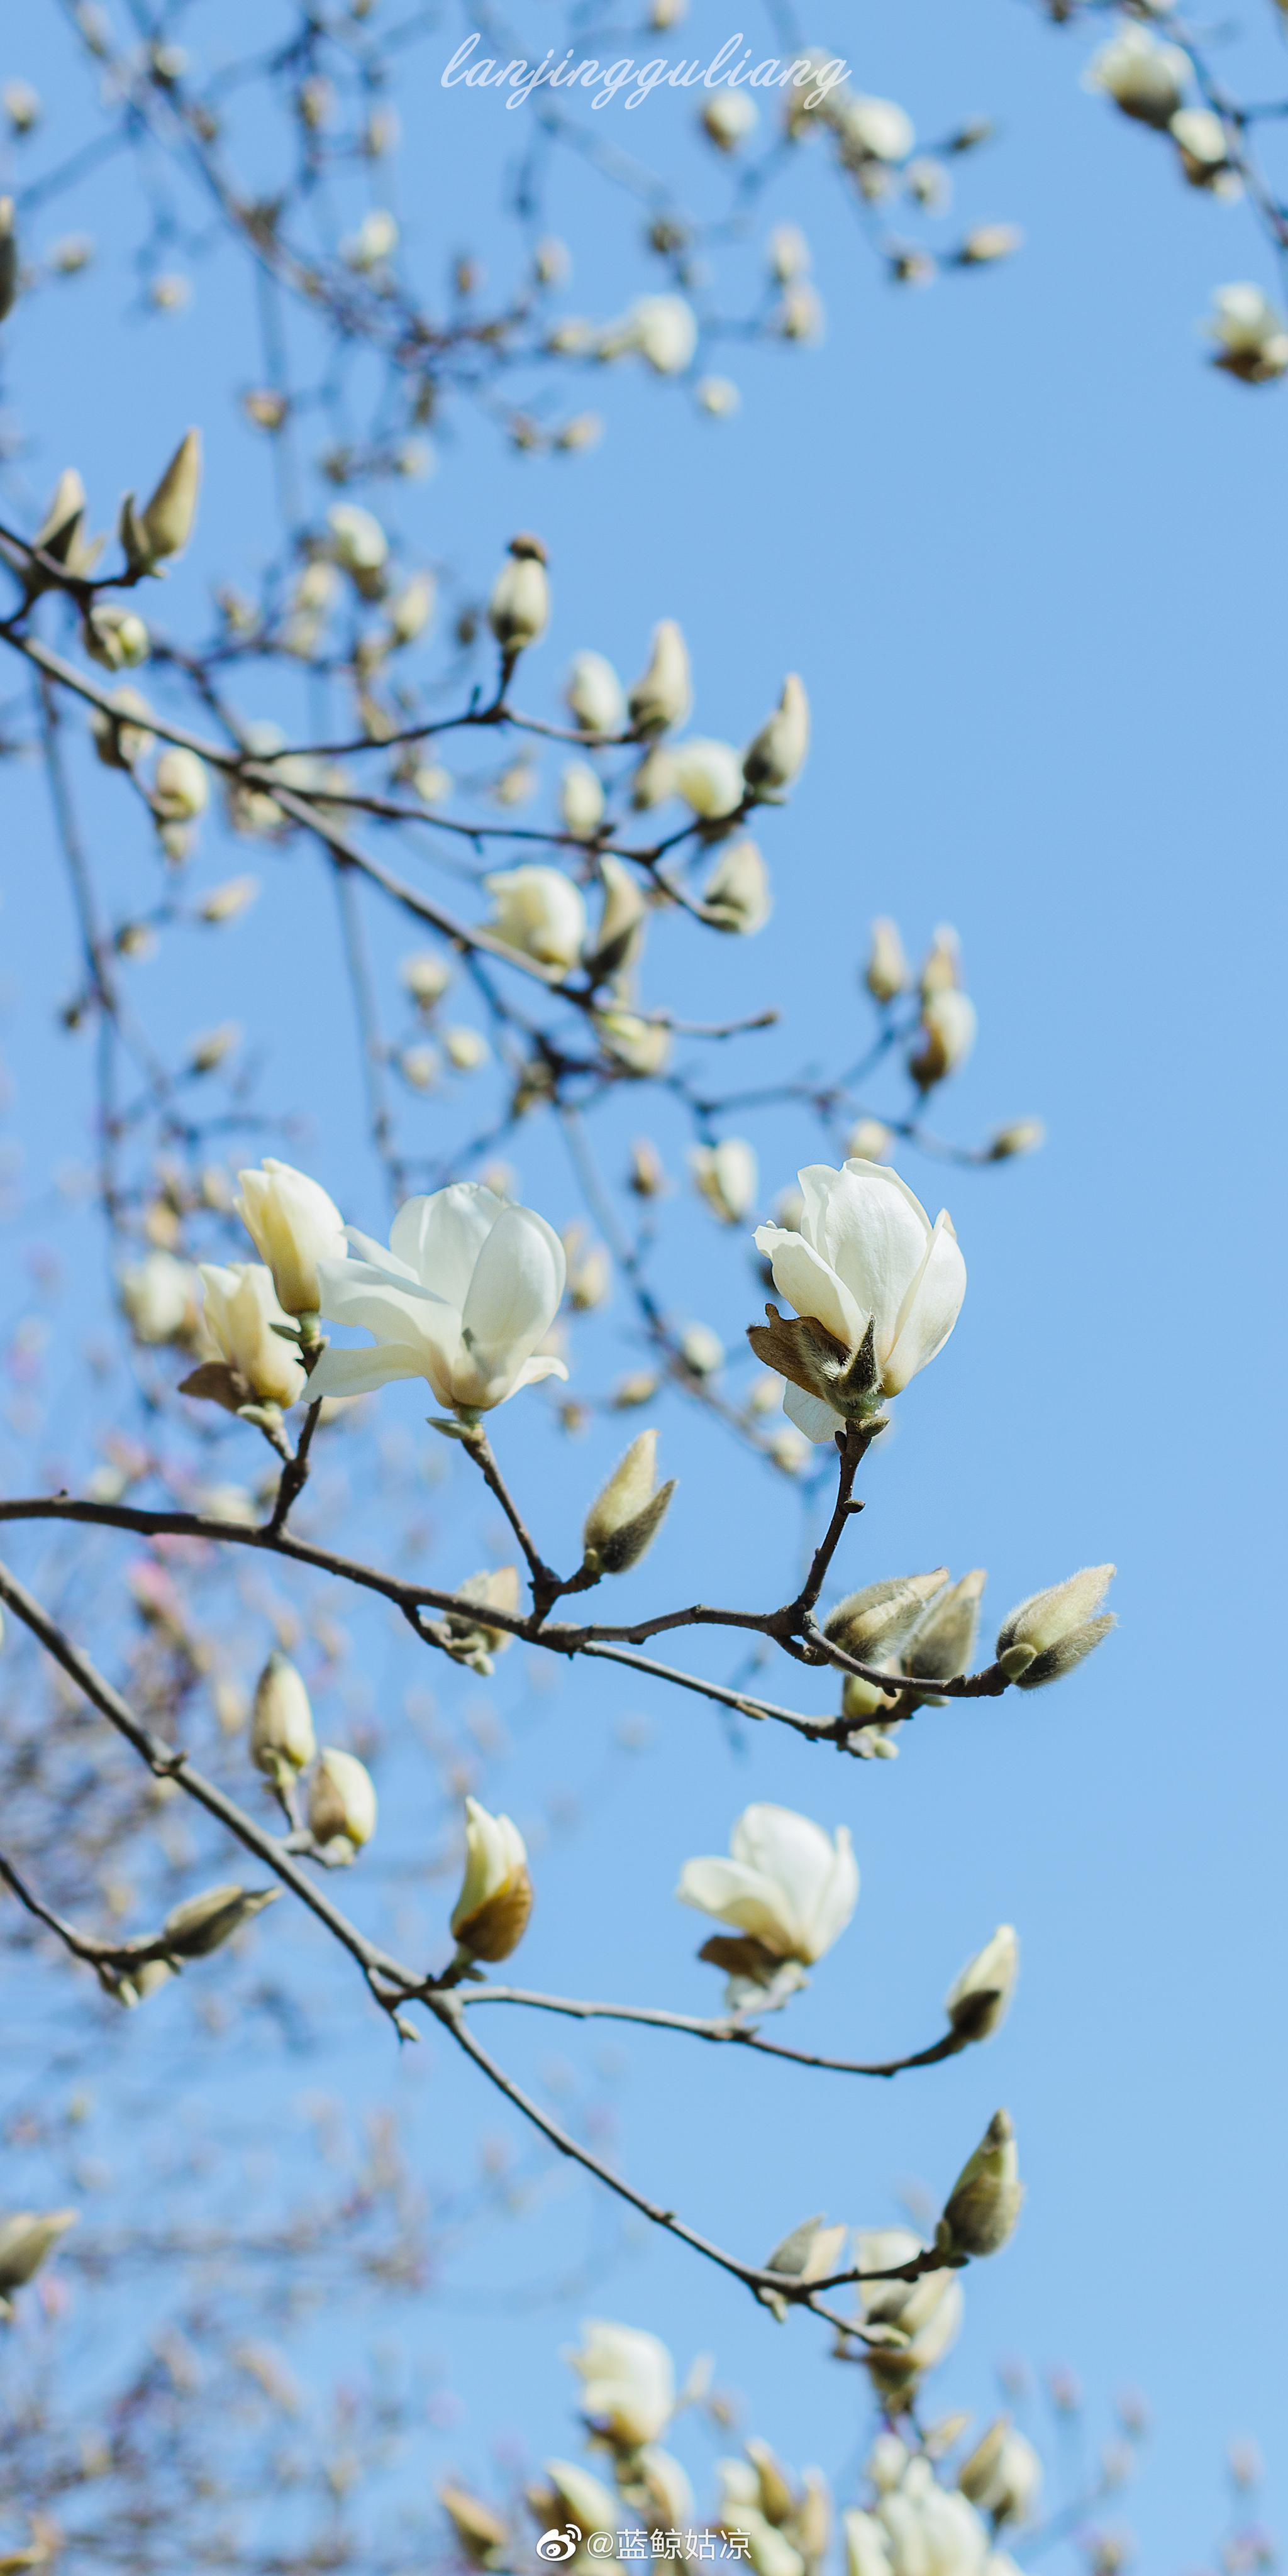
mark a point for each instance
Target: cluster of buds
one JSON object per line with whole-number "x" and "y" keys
{"x": 341, "y": 1806}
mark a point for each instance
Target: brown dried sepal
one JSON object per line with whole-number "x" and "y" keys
{"x": 219, "y": 1383}
{"x": 500, "y": 1924}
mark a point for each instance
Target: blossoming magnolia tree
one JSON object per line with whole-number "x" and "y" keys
{"x": 183, "y": 1574}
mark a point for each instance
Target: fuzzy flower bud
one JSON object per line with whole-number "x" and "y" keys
{"x": 1144, "y": 78}
{"x": 342, "y": 1799}
{"x": 628, "y": 1512}
{"x": 473, "y": 1642}
{"x": 519, "y": 608}
{"x": 1023, "y": 1136}
{"x": 663, "y": 695}
{"x": 491, "y": 1913}
{"x": 873, "y": 1623}
{"x": 777, "y": 752}
{"x": 1049, "y": 1633}
{"x": 116, "y": 637}
{"x": 736, "y": 895}
{"x": 203, "y": 1923}
{"x": 708, "y": 775}
{"x": 727, "y": 1176}
{"x": 256, "y": 1364}
{"x": 180, "y": 787}
{"x": 978, "y": 2002}
{"x": 1003, "y": 2474}
{"x": 540, "y": 912}
{"x": 595, "y": 697}
{"x": 164, "y": 526}
{"x": 620, "y": 933}
{"x": 27, "y": 2236}
{"x": 942, "y": 1643}
{"x": 887, "y": 973}
{"x": 982, "y": 2208}
{"x": 945, "y": 1038}
{"x": 581, "y": 800}
{"x": 282, "y": 1741}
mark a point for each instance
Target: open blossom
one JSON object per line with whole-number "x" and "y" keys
{"x": 788, "y": 1890}
{"x": 241, "y": 1309}
{"x": 467, "y": 1289}
{"x": 627, "y": 2382}
{"x": 877, "y": 1290}
{"x": 293, "y": 1225}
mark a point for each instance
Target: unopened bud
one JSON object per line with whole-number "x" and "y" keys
{"x": 1049, "y": 1633}
{"x": 483, "y": 2536}
{"x": 979, "y": 2000}
{"x": 663, "y": 694}
{"x": 471, "y": 1641}
{"x": 180, "y": 787}
{"x": 874, "y": 1622}
{"x": 164, "y": 526}
{"x": 628, "y": 1512}
{"x": 778, "y": 751}
{"x": 942, "y": 969}
{"x": 646, "y": 1178}
{"x": 887, "y": 973}
{"x": 225, "y": 902}
{"x": 342, "y": 1799}
{"x": 1023, "y": 1136}
{"x": 945, "y": 1038}
{"x": 619, "y": 936}
{"x": 941, "y": 1644}
{"x": 736, "y": 896}
{"x": 727, "y": 1176}
{"x": 203, "y": 1923}
{"x": 982, "y": 2208}
{"x": 519, "y": 608}
{"x": 116, "y": 637}
{"x": 27, "y": 2236}
{"x": 987, "y": 242}
{"x": 595, "y": 696}
{"x": 282, "y": 1741}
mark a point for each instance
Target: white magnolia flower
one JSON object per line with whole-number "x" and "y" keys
{"x": 728, "y": 1177}
{"x": 581, "y": 800}
{"x": 519, "y": 608}
{"x": 359, "y": 542}
{"x": 708, "y": 775}
{"x": 540, "y": 912}
{"x": 788, "y": 1884}
{"x": 736, "y": 895}
{"x": 241, "y": 1308}
{"x": 467, "y": 1289}
{"x": 1143, "y": 77}
{"x": 775, "y": 754}
{"x": 978, "y": 2000}
{"x": 294, "y": 1225}
{"x": 944, "y": 1039}
{"x": 866, "y": 1261}
{"x": 627, "y": 2381}
{"x": 491, "y": 1913}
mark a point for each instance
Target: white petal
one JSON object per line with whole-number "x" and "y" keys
{"x": 517, "y": 1284}
{"x": 378, "y": 1256}
{"x": 810, "y": 1285}
{"x": 534, "y": 1370}
{"x": 359, "y": 1372}
{"x": 811, "y": 1415}
{"x": 930, "y": 1310}
{"x": 800, "y": 1860}
{"x": 867, "y": 1224}
{"x": 741, "y": 1896}
{"x": 442, "y": 1236}
{"x": 358, "y": 1295}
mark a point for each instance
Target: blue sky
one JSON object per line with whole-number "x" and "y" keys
{"x": 1026, "y": 550}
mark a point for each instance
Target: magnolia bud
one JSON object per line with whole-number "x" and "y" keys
{"x": 942, "y": 969}
{"x": 777, "y": 752}
{"x": 595, "y": 696}
{"x": 116, "y": 637}
{"x": 203, "y": 1923}
{"x": 654, "y": 780}
{"x": 26, "y": 2237}
{"x": 410, "y": 609}
{"x": 628, "y": 1512}
{"x": 540, "y": 912}
{"x": 360, "y": 546}
{"x": 941, "y": 1644}
{"x": 708, "y": 775}
{"x": 869, "y": 1141}
{"x": 282, "y": 1741}
{"x": 165, "y": 525}
{"x": 1002, "y": 2475}
{"x": 727, "y": 1176}
{"x": 982, "y": 2208}
{"x": 1052, "y": 1631}
{"x": 702, "y": 1350}
{"x": 620, "y": 933}
{"x": 519, "y": 608}
{"x": 119, "y": 743}
{"x": 887, "y": 973}
{"x": 641, "y": 1046}
{"x": 986, "y": 242}
{"x": 1023, "y": 1136}
{"x": 581, "y": 800}
{"x": 342, "y": 1799}
{"x": 465, "y": 1049}
{"x": 180, "y": 787}
{"x": 483, "y": 2536}
{"x": 945, "y": 1039}
{"x": 663, "y": 695}
{"x": 426, "y": 976}
{"x": 491, "y": 1913}
{"x": 978, "y": 2002}
{"x": 473, "y": 1642}
{"x": 293, "y": 1225}
{"x": 227, "y": 901}
{"x": 872, "y": 1623}
{"x": 736, "y": 895}
{"x": 647, "y": 1178}
{"x": 812, "y": 2252}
